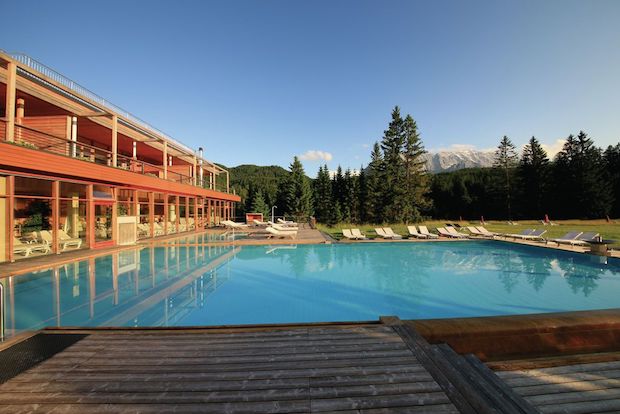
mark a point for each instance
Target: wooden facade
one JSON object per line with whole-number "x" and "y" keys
{"x": 69, "y": 139}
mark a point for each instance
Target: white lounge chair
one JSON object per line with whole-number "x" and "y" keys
{"x": 381, "y": 233}
{"x": 444, "y": 232}
{"x": 347, "y": 233}
{"x": 474, "y": 231}
{"x": 357, "y": 233}
{"x": 158, "y": 229}
{"x": 20, "y": 247}
{"x": 584, "y": 238}
{"x": 286, "y": 222}
{"x": 521, "y": 235}
{"x": 46, "y": 236}
{"x": 456, "y": 233}
{"x": 232, "y": 225}
{"x": 391, "y": 234}
{"x": 533, "y": 235}
{"x": 66, "y": 240}
{"x": 284, "y": 228}
{"x": 260, "y": 223}
{"x": 485, "y": 232}
{"x": 414, "y": 232}
{"x": 424, "y": 231}
{"x": 568, "y": 238}
{"x": 281, "y": 233}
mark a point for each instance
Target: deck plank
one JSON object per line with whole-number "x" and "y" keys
{"x": 313, "y": 369}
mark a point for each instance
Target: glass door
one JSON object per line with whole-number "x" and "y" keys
{"x": 103, "y": 224}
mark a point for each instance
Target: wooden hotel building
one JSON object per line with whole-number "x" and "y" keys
{"x": 77, "y": 172}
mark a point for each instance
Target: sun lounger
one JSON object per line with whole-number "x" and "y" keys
{"x": 521, "y": 235}
{"x": 585, "y": 238}
{"x": 66, "y": 240}
{"x": 424, "y": 231}
{"x": 381, "y": 233}
{"x": 281, "y": 233}
{"x": 284, "y": 228}
{"x": 458, "y": 234}
{"x": 286, "y": 223}
{"x": 232, "y": 225}
{"x": 414, "y": 232}
{"x": 485, "y": 232}
{"x": 19, "y": 247}
{"x": 390, "y": 233}
{"x": 357, "y": 233}
{"x": 46, "y": 236}
{"x": 347, "y": 233}
{"x": 474, "y": 231}
{"x": 444, "y": 232}
{"x": 260, "y": 223}
{"x": 534, "y": 235}
{"x": 568, "y": 238}
{"x": 158, "y": 229}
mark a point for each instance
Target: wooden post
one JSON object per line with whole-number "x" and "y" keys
{"x": 9, "y": 112}
{"x": 74, "y": 132}
{"x": 165, "y": 160}
{"x": 114, "y": 140}
{"x": 227, "y": 182}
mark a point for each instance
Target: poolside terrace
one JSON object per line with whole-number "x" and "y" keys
{"x": 388, "y": 366}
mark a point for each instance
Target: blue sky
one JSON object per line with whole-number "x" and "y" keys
{"x": 258, "y": 82}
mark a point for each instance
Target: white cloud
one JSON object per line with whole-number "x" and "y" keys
{"x": 365, "y": 145}
{"x": 315, "y": 155}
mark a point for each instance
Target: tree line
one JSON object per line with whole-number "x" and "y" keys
{"x": 581, "y": 181}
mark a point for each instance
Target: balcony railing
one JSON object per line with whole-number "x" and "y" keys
{"x": 41, "y": 141}
{"x": 79, "y": 89}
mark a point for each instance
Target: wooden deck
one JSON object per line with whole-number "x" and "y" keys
{"x": 569, "y": 389}
{"x": 345, "y": 368}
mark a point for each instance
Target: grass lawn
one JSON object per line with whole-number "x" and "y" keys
{"x": 607, "y": 230}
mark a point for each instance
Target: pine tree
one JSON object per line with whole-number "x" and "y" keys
{"x": 533, "y": 179}
{"x": 259, "y": 205}
{"x": 298, "y": 191}
{"x": 611, "y": 159}
{"x": 580, "y": 182}
{"x": 393, "y": 174}
{"x": 338, "y": 191}
{"x": 349, "y": 196}
{"x": 323, "y": 200}
{"x": 506, "y": 160}
{"x": 362, "y": 196}
{"x": 374, "y": 186}
{"x": 416, "y": 184}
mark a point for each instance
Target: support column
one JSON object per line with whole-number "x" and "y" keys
{"x": 9, "y": 112}
{"x": 55, "y": 216}
{"x": 227, "y": 182}
{"x": 114, "y": 140}
{"x": 194, "y": 163}
{"x": 165, "y": 160}
{"x": 74, "y": 124}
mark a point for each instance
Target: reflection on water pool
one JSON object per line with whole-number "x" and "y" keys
{"x": 196, "y": 285}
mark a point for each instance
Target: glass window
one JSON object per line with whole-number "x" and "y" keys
{"x": 102, "y": 191}
{"x": 143, "y": 196}
{"x": 71, "y": 190}
{"x": 144, "y": 227}
{"x": 125, "y": 195}
{"x": 72, "y": 225}
{"x": 33, "y": 187}
{"x": 32, "y": 227}
{"x": 158, "y": 198}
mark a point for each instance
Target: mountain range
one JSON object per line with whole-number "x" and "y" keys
{"x": 445, "y": 161}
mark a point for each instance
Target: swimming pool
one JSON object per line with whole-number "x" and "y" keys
{"x": 214, "y": 285}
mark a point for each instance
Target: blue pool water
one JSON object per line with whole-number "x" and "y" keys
{"x": 202, "y": 285}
